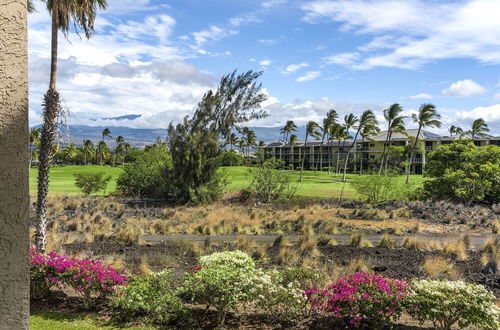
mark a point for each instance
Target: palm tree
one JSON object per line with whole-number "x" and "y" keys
{"x": 395, "y": 124}
{"x": 34, "y": 142}
{"x": 350, "y": 121}
{"x": 233, "y": 140}
{"x": 64, "y": 13}
{"x": 119, "y": 149}
{"x": 367, "y": 119}
{"x": 331, "y": 118}
{"x": 312, "y": 129}
{"x": 105, "y": 133}
{"x": 427, "y": 117}
{"x": 70, "y": 152}
{"x": 88, "y": 149}
{"x": 288, "y": 129}
{"x": 31, "y": 7}
{"x": 455, "y": 130}
{"x": 102, "y": 149}
{"x": 338, "y": 133}
{"x": 366, "y": 134}
{"x": 293, "y": 139}
{"x": 479, "y": 128}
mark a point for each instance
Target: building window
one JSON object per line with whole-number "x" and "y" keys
{"x": 372, "y": 156}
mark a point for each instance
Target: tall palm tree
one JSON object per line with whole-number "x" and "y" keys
{"x": 366, "y": 133}
{"x": 331, "y": 118}
{"x": 427, "y": 117}
{"x": 88, "y": 149}
{"x": 293, "y": 139}
{"x": 338, "y": 133}
{"x": 105, "y": 133}
{"x": 70, "y": 152}
{"x": 395, "y": 124}
{"x": 350, "y": 121}
{"x": 312, "y": 129}
{"x": 288, "y": 129}
{"x": 119, "y": 148}
{"x": 34, "y": 142}
{"x": 455, "y": 130}
{"x": 103, "y": 150}
{"x": 479, "y": 128}
{"x": 367, "y": 119}
{"x": 64, "y": 13}
{"x": 233, "y": 140}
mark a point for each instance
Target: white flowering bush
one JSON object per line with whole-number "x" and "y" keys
{"x": 284, "y": 301}
{"x": 223, "y": 281}
{"x": 447, "y": 303}
{"x": 150, "y": 297}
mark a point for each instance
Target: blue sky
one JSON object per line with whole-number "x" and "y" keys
{"x": 157, "y": 58}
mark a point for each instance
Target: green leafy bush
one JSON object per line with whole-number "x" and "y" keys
{"x": 464, "y": 172}
{"x": 144, "y": 176}
{"x": 268, "y": 183}
{"x": 90, "y": 183}
{"x": 231, "y": 158}
{"x": 382, "y": 188}
{"x": 449, "y": 303}
{"x": 223, "y": 281}
{"x": 152, "y": 298}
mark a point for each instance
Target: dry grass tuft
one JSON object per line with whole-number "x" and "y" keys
{"x": 456, "y": 249}
{"x": 287, "y": 256}
{"x": 357, "y": 265}
{"x": 417, "y": 244}
{"x": 130, "y": 234}
{"x": 144, "y": 266}
{"x": 359, "y": 240}
{"x": 437, "y": 267}
{"x": 244, "y": 244}
{"x": 280, "y": 241}
{"x": 386, "y": 241}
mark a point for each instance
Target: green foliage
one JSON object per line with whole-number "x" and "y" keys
{"x": 152, "y": 298}
{"x": 464, "y": 172}
{"x": 92, "y": 182}
{"x": 144, "y": 176}
{"x": 231, "y": 158}
{"x": 224, "y": 281}
{"x": 268, "y": 183}
{"x": 448, "y": 303}
{"x": 382, "y": 188}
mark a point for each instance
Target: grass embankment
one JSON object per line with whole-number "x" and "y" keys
{"x": 314, "y": 184}
{"x": 63, "y": 321}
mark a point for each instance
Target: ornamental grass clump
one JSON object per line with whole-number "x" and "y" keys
{"x": 448, "y": 303}
{"x": 87, "y": 277}
{"x": 223, "y": 281}
{"x": 361, "y": 299}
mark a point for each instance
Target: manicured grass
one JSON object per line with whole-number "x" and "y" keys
{"x": 62, "y": 181}
{"x": 62, "y": 321}
{"x": 314, "y": 184}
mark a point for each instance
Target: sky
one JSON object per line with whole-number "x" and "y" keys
{"x": 156, "y": 58}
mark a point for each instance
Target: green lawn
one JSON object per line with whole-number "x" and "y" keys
{"x": 61, "y": 321}
{"x": 315, "y": 184}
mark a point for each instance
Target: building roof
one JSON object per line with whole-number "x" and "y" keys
{"x": 314, "y": 143}
{"x": 424, "y": 135}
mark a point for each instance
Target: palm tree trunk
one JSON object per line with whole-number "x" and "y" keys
{"x": 408, "y": 169}
{"x": 48, "y": 133}
{"x": 303, "y": 159}
{"x": 320, "y": 160}
{"x": 362, "y": 156}
{"x": 388, "y": 153}
{"x": 348, "y": 153}
{"x": 383, "y": 154}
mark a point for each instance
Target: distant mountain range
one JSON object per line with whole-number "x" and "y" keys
{"x": 140, "y": 137}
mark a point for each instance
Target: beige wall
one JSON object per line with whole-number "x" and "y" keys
{"x": 14, "y": 200}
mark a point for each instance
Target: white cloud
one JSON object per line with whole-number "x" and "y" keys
{"x": 464, "y": 88}
{"x": 420, "y": 96}
{"x": 272, "y": 3}
{"x": 310, "y": 75}
{"x": 408, "y": 34}
{"x": 265, "y": 62}
{"x": 244, "y": 19}
{"x": 295, "y": 67}
{"x": 267, "y": 42}
{"x": 346, "y": 59}
{"x": 212, "y": 33}
{"x": 497, "y": 96}
{"x": 491, "y": 114}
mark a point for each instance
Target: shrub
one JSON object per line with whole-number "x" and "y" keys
{"x": 361, "y": 299}
{"x": 91, "y": 182}
{"x": 143, "y": 177}
{"x": 223, "y": 281}
{"x": 231, "y": 158}
{"x": 382, "y": 188}
{"x": 87, "y": 277}
{"x": 270, "y": 184}
{"x": 447, "y": 303}
{"x": 150, "y": 297}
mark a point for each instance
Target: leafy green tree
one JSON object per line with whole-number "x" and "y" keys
{"x": 64, "y": 13}
{"x": 464, "y": 172}
{"x": 195, "y": 143}
{"x": 312, "y": 129}
{"x": 90, "y": 183}
{"x": 269, "y": 184}
{"x": 427, "y": 117}
{"x": 231, "y": 158}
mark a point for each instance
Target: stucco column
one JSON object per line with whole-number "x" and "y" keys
{"x": 14, "y": 199}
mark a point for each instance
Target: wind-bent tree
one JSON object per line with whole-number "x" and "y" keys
{"x": 478, "y": 129}
{"x": 288, "y": 129}
{"x": 328, "y": 121}
{"x": 367, "y": 119}
{"x": 349, "y": 121}
{"x": 427, "y": 117}
{"x": 366, "y": 134}
{"x": 455, "y": 130}
{"x": 64, "y": 13}
{"x": 395, "y": 124}
{"x": 312, "y": 129}
{"x": 293, "y": 139}
{"x": 338, "y": 133}
{"x": 34, "y": 142}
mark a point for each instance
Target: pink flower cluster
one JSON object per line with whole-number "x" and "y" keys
{"x": 85, "y": 276}
{"x": 361, "y": 297}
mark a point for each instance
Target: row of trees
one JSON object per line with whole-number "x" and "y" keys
{"x": 88, "y": 153}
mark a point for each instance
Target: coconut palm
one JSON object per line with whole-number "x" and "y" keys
{"x": 64, "y": 13}
{"x": 102, "y": 150}
{"x": 395, "y": 124}
{"x": 331, "y": 118}
{"x": 233, "y": 140}
{"x": 366, "y": 133}
{"x": 455, "y": 130}
{"x": 119, "y": 148}
{"x": 338, "y": 133}
{"x": 479, "y": 128}
{"x": 34, "y": 142}
{"x": 288, "y": 129}
{"x": 105, "y": 133}
{"x": 427, "y": 117}
{"x": 88, "y": 150}
{"x": 312, "y": 129}
{"x": 293, "y": 139}
{"x": 367, "y": 119}
{"x": 70, "y": 152}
